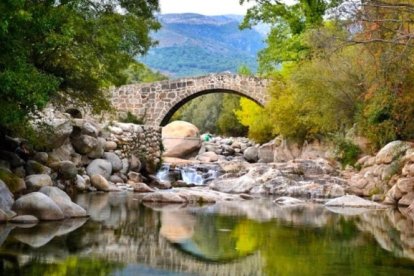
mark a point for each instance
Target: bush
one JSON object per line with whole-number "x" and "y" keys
{"x": 131, "y": 118}
{"x": 346, "y": 151}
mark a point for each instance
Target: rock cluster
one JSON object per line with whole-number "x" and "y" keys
{"x": 299, "y": 178}
{"x": 82, "y": 155}
{"x": 388, "y": 176}
{"x": 228, "y": 149}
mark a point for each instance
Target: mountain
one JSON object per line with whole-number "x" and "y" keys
{"x": 194, "y": 44}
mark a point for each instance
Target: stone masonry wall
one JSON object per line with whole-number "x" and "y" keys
{"x": 140, "y": 140}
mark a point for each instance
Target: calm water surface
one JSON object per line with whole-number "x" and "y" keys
{"x": 125, "y": 237}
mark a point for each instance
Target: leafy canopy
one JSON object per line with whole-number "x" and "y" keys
{"x": 67, "y": 51}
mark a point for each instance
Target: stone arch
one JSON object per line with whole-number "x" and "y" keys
{"x": 155, "y": 102}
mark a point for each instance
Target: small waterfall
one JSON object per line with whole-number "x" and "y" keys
{"x": 196, "y": 175}
{"x": 163, "y": 173}
{"x": 191, "y": 176}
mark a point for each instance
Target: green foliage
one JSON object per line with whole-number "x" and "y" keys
{"x": 67, "y": 52}
{"x": 138, "y": 73}
{"x": 11, "y": 180}
{"x": 131, "y": 118}
{"x": 346, "y": 152}
{"x": 213, "y": 113}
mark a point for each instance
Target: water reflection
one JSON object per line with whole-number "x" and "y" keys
{"x": 123, "y": 236}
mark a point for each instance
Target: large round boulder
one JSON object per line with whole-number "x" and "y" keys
{"x": 69, "y": 209}
{"x": 101, "y": 167}
{"x": 180, "y": 139}
{"x": 251, "y": 154}
{"x": 67, "y": 170}
{"x": 114, "y": 160}
{"x": 84, "y": 144}
{"x": 34, "y": 167}
{"x": 392, "y": 151}
{"x": 38, "y": 205}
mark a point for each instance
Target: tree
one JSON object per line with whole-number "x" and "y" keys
{"x": 67, "y": 51}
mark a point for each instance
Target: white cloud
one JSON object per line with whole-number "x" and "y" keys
{"x": 206, "y": 7}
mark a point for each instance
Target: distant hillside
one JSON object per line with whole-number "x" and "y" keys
{"x": 193, "y": 44}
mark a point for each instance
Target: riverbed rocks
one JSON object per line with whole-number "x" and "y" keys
{"x": 69, "y": 209}
{"x": 299, "y": 178}
{"x": 387, "y": 176}
{"x": 36, "y": 181}
{"x": 38, "y": 205}
{"x": 352, "y": 201}
{"x": 180, "y": 139}
{"x": 100, "y": 183}
{"x": 100, "y": 167}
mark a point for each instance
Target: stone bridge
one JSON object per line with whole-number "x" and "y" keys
{"x": 157, "y": 102}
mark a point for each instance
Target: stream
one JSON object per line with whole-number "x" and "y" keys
{"x": 123, "y": 236}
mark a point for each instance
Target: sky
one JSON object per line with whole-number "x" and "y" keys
{"x": 206, "y": 7}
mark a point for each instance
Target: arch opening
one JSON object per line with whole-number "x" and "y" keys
{"x": 167, "y": 117}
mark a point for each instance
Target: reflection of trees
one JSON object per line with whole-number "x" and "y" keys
{"x": 230, "y": 238}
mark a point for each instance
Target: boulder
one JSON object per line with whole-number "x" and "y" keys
{"x": 6, "y": 197}
{"x": 114, "y": 160}
{"x": 100, "y": 183}
{"x": 38, "y": 205}
{"x": 98, "y": 151}
{"x": 84, "y": 144}
{"x": 142, "y": 188}
{"x": 164, "y": 197}
{"x": 67, "y": 170}
{"x": 208, "y": 156}
{"x": 41, "y": 157}
{"x": 135, "y": 177}
{"x": 80, "y": 183}
{"x": 352, "y": 201}
{"x": 62, "y": 128}
{"x": 64, "y": 152}
{"x": 3, "y": 216}
{"x": 13, "y": 182}
{"x": 251, "y": 154}
{"x": 24, "y": 219}
{"x": 36, "y": 181}
{"x": 89, "y": 129}
{"x": 286, "y": 200}
{"x": 116, "y": 179}
{"x": 392, "y": 151}
{"x": 69, "y": 209}
{"x": 180, "y": 139}
{"x": 110, "y": 146}
{"x": 100, "y": 167}
{"x": 34, "y": 167}
{"x": 266, "y": 152}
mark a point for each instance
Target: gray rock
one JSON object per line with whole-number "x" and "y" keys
{"x": 100, "y": 183}
{"x": 134, "y": 163}
{"x": 352, "y": 201}
{"x": 67, "y": 170}
{"x": 36, "y": 181}
{"x": 38, "y": 205}
{"x": 392, "y": 151}
{"x": 135, "y": 177}
{"x": 285, "y": 200}
{"x": 165, "y": 197}
{"x": 206, "y": 157}
{"x": 251, "y": 154}
{"x": 6, "y": 197}
{"x": 69, "y": 209}
{"x": 62, "y": 153}
{"x": 34, "y": 167}
{"x": 84, "y": 144}
{"x": 80, "y": 183}
{"x": 266, "y": 152}
{"x": 125, "y": 166}
{"x": 100, "y": 167}
{"x": 98, "y": 151}
{"x": 89, "y": 129}
{"x": 41, "y": 157}
{"x": 142, "y": 188}
{"x": 20, "y": 172}
{"x": 116, "y": 179}
{"x": 3, "y": 216}
{"x": 25, "y": 219}
{"x": 114, "y": 160}
{"x": 61, "y": 132}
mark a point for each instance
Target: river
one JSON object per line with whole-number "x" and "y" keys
{"x": 123, "y": 236}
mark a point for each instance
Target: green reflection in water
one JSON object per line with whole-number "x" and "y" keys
{"x": 122, "y": 236}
